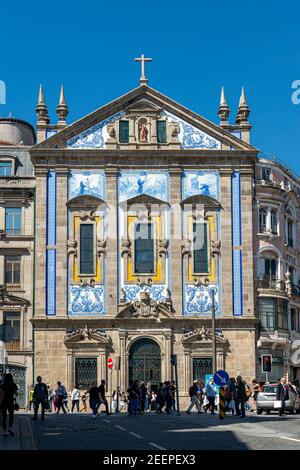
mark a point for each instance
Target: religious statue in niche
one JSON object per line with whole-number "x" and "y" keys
{"x": 143, "y": 132}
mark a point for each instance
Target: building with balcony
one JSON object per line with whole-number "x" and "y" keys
{"x": 276, "y": 264}
{"x": 17, "y": 192}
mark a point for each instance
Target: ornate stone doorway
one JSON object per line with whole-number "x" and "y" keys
{"x": 201, "y": 367}
{"x": 85, "y": 372}
{"x": 145, "y": 362}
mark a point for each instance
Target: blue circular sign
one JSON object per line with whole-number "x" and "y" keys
{"x": 221, "y": 378}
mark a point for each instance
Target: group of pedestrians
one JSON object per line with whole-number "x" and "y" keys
{"x": 141, "y": 398}
{"x": 202, "y": 397}
{"x": 237, "y": 393}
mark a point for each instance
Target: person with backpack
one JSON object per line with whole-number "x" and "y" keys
{"x": 40, "y": 397}
{"x": 193, "y": 393}
{"x": 61, "y": 394}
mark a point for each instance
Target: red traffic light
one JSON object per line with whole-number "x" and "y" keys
{"x": 266, "y": 363}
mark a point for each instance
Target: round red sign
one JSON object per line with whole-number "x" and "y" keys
{"x": 110, "y": 363}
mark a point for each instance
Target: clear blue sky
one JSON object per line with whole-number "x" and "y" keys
{"x": 196, "y": 47}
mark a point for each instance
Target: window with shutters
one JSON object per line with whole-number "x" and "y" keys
{"x": 200, "y": 248}
{"x": 144, "y": 248}
{"x": 124, "y": 132}
{"x": 87, "y": 262}
{"x": 161, "y": 132}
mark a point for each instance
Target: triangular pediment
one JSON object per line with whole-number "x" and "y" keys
{"x": 187, "y": 129}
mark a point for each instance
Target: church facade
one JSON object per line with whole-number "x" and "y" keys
{"x": 143, "y": 218}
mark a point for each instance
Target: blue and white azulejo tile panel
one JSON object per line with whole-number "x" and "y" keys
{"x": 86, "y": 300}
{"x": 191, "y": 137}
{"x": 237, "y": 275}
{"x": 132, "y": 184}
{"x": 51, "y": 245}
{"x": 95, "y": 136}
{"x": 200, "y": 182}
{"x": 86, "y": 183}
{"x": 198, "y": 299}
{"x": 132, "y": 292}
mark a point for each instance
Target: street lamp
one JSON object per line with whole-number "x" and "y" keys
{"x": 214, "y": 252}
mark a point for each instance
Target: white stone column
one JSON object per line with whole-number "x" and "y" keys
{"x": 268, "y": 221}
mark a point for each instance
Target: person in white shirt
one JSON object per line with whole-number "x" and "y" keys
{"x": 75, "y": 395}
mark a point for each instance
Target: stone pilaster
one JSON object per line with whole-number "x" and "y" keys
{"x": 168, "y": 339}
{"x": 175, "y": 242}
{"x": 226, "y": 248}
{"x": 247, "y": 244}
{"x": 122, "y": 350}
{"x": 61, "y": 242}
{"x": 112, "y": 243}
{"x": 40, "y": 246}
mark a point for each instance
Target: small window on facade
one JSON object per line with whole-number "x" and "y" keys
{"x": 13, "y": 220}
{"x": 13, "y": 319}
{"x": 290, "y": 233}
{"x": 274, "y": 221}
{"x": 123, "y": 132}
{"x": 270, "y": 268}
{"x": 5, "y": 168}
{"x": 292, "y": 274}
{"x": 262, "y": 220}
{"x": 144, "y": 248}
{"x": 86, "y": 249}
{"x": 12, "y": 269}
{"x": 200, "y": 250}
{"x": 266, "y": 173}
{"x": 161, "y": 132}
{"x": 267, "y": 309}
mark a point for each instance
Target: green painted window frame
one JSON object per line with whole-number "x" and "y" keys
{"x": 124, "y": 132}
{"x": 144, "y": 248}
{"x": 161, "y": 130}
{"x": 200, "y": 248}
{"x": 87, "y": 258}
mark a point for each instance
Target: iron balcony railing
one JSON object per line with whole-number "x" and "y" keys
{"x": 13, "y": 231}
{"x": 14, "y": 345}
{"x": 271, "y": 283}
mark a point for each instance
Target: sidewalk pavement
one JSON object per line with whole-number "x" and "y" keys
{"x": 11, "y": 442}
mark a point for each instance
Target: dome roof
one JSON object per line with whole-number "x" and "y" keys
{"x": 16, "y": 132}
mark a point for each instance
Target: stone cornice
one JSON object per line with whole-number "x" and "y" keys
{"x": 114, "y": 323}
{"x": 140, "y": 153}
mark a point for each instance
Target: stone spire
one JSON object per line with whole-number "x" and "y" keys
{"x": 223, "y": 111}
{"x": 62, "y": 108}
{"x": 41, "y": 109}
{"x": 243, "y": 111}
